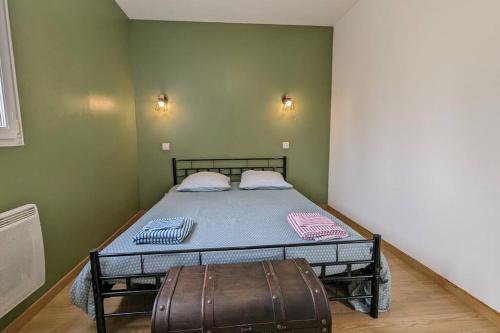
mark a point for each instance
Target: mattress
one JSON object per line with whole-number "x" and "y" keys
{"x": 233, "y": 218}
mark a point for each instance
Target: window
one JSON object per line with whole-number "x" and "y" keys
{"x": 10, "y": 118}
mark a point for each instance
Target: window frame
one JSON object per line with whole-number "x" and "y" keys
{"x": 12, "y": 135}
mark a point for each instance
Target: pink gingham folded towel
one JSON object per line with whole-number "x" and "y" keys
{"x": 314, "y": 226}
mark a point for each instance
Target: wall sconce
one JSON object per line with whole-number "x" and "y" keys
{"x": 162, "y": 103}
{"x": 288, "y": 103}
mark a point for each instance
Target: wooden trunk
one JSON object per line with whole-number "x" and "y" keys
{"x": 271, "y": 296}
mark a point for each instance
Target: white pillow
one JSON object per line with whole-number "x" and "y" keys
{"x": 205, "y": 181}
{"x": 263, "y": 180}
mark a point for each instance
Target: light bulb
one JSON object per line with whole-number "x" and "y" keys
{"x": 288, "y": 104}
{"x": 161, "y": 104}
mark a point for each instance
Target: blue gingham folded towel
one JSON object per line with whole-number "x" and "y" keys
{"x": 171, "y": 230}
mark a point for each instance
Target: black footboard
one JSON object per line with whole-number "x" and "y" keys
{"x": 100, "y": 282}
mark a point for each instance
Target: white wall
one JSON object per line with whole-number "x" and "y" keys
{"x": 415, "y": 139}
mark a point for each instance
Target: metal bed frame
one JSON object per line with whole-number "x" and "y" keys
{"x": 102, "y": 284}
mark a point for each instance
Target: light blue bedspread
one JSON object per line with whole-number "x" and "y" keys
{"x": 229, "y": 219}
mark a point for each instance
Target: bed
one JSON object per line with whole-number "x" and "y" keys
{"x": 231, "y": 226}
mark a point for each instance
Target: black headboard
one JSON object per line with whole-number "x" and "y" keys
{"x": 231, "y": 167}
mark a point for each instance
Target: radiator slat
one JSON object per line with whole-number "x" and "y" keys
{"x": 16, "y": 217}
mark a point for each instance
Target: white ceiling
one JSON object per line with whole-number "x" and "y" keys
{"x": 294, "y": 12}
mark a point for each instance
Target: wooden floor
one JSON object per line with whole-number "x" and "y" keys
{"x": 418, "y": 305}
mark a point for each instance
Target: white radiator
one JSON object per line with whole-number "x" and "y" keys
{"x": 22, "y": 261}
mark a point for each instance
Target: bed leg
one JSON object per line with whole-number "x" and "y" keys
{"x": 95, "y": 269}
{"x": 377, "y": 239}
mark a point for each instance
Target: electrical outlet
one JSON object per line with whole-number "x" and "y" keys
{"x": 165, "y": 146}
{"x": 286, "y": 145}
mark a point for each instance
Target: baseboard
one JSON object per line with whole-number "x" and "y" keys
{"x": 40, "y": 303}
{"x": 467, "y": 298}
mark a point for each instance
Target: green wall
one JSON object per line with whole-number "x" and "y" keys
{"x": 79, "y": 164}
{"x": 225, "y": 83}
